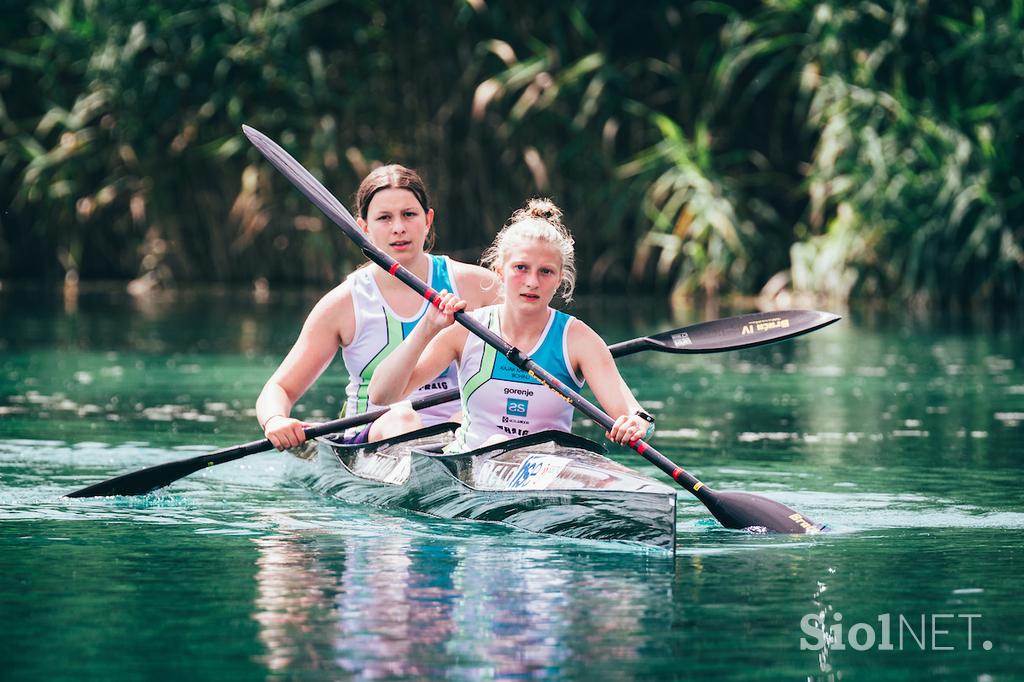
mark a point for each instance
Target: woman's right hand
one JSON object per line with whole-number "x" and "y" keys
{"x": 284, "y": 432}
{"x": 442, "y": 313}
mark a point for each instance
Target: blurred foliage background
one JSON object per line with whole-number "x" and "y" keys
{"x": 845, "y": 150}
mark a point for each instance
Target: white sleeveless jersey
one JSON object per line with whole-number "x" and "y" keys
{"x": 379, "y": 330}
{"x": 498, "y": 398}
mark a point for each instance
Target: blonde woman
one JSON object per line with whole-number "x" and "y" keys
{"x": 533, "y": 258}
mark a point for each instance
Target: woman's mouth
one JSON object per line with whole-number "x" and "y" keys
{"x": 400, "y": 245}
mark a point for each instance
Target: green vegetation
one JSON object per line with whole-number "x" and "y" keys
{"x": 853, "y": 150}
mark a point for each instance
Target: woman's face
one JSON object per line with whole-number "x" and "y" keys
{"x": 531, "y": 272}
{"x": 397, "y": 224}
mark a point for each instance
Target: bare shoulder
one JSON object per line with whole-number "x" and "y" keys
{"x": 479, "y": 286}
{"x": 471, "y": 273}
{"x": 337, "y": 301}
{"x": 334, "y": 314}
{"x": 581, "y": 332}
{"x": 585, "y": 344}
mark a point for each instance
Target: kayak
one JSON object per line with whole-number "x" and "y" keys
{"x": 550, "y": 482}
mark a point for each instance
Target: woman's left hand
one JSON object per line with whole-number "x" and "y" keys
{"x": 628, "y": 428}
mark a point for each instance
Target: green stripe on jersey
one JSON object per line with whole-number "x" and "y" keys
{"x": 394, "y": 339}
{"x": 487, "y": 360}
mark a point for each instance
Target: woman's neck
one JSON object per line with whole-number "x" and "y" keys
{"x": 420, "y": 267}
{"x": 523, "y": 328}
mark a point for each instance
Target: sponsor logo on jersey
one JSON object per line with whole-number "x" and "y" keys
{"x": 516, "y": 408}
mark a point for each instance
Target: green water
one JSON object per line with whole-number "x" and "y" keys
{"x": 905, "y": 436}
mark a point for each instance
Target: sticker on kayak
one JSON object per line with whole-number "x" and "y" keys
{"x": 537, "y": 472}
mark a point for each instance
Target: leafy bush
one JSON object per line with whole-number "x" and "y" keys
{"x": 854, "y": 150}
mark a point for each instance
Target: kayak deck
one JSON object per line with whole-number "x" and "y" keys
{"x": 551, "y": 482}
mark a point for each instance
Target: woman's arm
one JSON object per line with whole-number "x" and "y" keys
{"x": 318, "y": 342}
{"x": 422, "y": 356}
{"x": 590, "y": 357}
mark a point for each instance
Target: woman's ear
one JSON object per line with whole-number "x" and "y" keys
{"x": 430, "y": 218}
{"x": 362, "y": 225}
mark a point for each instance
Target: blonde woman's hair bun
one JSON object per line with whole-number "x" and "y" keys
{"x": 544, "y": 209}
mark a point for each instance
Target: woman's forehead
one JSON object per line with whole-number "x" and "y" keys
{"x": 394, "y": 198}
{"x": 533, "y": 250}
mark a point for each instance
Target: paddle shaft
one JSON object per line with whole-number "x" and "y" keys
{"x": 325, "y": 428}
{"x": 517, "y": 357}
{"x": 329, "y": 204}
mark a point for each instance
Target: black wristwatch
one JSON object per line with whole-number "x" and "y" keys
{"x": 647, "y": 418}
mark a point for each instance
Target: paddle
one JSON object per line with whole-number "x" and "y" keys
{"x": 705, "y": 337}
{"x": 732, "y": 509}
{"x": 151, "y": 478}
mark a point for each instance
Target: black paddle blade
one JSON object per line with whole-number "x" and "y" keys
{"x": 746, "y": 511}
{"x": 742, "y": 331}
{"x": 149, "y": 479}
{"x": 144, "y": 481}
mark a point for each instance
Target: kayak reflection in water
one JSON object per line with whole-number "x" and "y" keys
{"x": 368, "y": 314}
{"x": 533, "y": 258}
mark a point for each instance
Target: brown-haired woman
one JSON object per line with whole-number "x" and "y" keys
{"x": 369, "y": 314}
